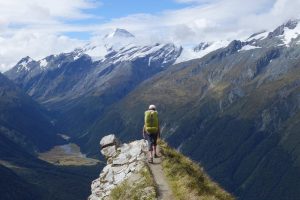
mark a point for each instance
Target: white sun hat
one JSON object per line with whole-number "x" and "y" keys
{"x": 152, "y": 107}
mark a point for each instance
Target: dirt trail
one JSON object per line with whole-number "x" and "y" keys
{"x": 164, "y": 190}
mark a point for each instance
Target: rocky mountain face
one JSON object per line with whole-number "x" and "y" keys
{"x": 80, "y": 85}
{"x": 236, "y": 110}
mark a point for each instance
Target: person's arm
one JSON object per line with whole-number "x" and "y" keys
{"x": 144, "y": 136}
{"x": 158, "y": 135}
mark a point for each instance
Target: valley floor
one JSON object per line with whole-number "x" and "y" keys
{"x": 68, "y": 154}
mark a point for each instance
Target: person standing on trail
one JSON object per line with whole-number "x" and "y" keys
{"x": 151, "y": 130}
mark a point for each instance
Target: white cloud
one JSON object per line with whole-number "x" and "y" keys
{"x": 43, "y": 11}
{"x": 33, "y": 44}
{"x": 209, "y": 20}
{"x": 35, "y": 27}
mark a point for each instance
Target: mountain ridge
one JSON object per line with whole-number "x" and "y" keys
{"x": 235, "y": 110}
{"x": 127, "y": 174}
{"x": 71, "y": 82}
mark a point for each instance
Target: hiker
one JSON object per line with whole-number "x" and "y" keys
{"x": 151, "y": 131}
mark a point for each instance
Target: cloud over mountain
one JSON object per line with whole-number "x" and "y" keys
{"x": 27, "y": 24}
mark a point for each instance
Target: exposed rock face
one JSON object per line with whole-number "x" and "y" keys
{"x": 123, "y": 160}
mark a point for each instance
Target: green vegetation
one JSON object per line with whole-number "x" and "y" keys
{"x": 137, "y": 187}
{"x": 238, "y": 126}
{"x": 68, "y": 154}
{"x": 187, "y": 179}
{"x": 45, "y": 182}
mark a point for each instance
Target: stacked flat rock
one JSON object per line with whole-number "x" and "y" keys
{"x": 123, "y": 160}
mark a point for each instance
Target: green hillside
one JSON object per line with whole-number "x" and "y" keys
{"x": 24, "y": 121}
{"x": 25, "y": 129}
{"x": 236, "y": 112}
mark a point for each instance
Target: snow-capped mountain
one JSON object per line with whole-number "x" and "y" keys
{"x": 120, "y": 45}
{"x": 284, "y": 35}
{"x": 98, "y": 48}
{"x": 103, "y": 71}
{"x": 24, "y": 64}
{"x": 119, "y": 33}
{"x": 108, "y": 68}
{"x": 190, "y": 52}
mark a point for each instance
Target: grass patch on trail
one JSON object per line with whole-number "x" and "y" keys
{"x": 139, "y": 186}
{"x": 187, "y": 180}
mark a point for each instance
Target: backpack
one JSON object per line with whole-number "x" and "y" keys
{"x": 151, "y": 121}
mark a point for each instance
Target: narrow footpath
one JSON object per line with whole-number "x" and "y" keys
{"x": 164, "y": 190}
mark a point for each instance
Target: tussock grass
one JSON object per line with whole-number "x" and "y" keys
{"x": 138, "y": 187}
{"x": 187, "y": 180}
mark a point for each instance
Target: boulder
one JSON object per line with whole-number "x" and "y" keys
{"x": 123, "y": 160}
{"x": 109, "y": 140}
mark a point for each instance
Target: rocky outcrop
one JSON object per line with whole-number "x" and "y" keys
{"x": 123, "y": 162}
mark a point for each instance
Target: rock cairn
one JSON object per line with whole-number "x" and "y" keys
{"x": 123, "y": 160}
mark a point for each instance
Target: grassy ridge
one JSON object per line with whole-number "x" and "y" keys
{"x": 187, "y": 179}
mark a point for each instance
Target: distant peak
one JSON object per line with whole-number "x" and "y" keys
{"x": 201, "y": 46}
{"x": 120, "y": 33}
{"x": 291, "y": 24}
{"x": 25, "y": 60}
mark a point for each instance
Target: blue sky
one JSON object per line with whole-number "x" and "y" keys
{"x": 120, "y": 8}
{"x": 206, "y": 14}
{"x": 113, "y": 9}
